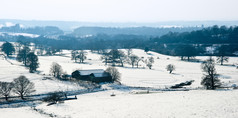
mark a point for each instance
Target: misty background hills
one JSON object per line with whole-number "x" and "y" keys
{"x": 85, "y": 29}
{"x": 68, "y": 26}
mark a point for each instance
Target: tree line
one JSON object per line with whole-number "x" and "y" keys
{"x": 47, "y": 30}
{"x": 174, "y": 43}
{"x": 117, "y": 57}
{"x": 169, "y": 43}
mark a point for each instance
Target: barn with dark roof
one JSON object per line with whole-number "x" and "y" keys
{"x": 93, "y": 75}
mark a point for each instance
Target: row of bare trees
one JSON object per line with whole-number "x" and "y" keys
{"x": 118, "y": 57}
{"x": 20, "y": 86}
{"x": 79, "y": 55}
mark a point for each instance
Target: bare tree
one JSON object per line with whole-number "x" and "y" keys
{"x": 170, "y": 68}
{"x": 23, "y": 86}
{"x": 116, "y": 75}
{"x": 133, "y": 59}
{"x": 114, "y": 56}
{"x": 56, "y": 70}
{"x": 5, "y": 89}
{"x": 222, "y": 59}
{"x": 129, "y": 52}
{"x": 74, "y": 54}
{"x": 105, "y": 57}
{"x": 221, "y": 54}
{"x": 138, "y": 61}
{"x": 210, "y": 79}
{"x": 81, "y": 56}
{"x": 122, "y": 57}
{"x": 149, "y": 62}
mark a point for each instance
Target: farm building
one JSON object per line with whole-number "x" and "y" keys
{"x": 94, "y": 75}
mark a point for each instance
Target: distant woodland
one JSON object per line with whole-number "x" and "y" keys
{"x": 171, "y": 41}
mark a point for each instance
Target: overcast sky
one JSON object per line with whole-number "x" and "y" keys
{"x": 119, "y": 10}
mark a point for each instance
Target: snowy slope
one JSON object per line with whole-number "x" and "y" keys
{"x": 195, "y": 103}
{"x": 9, "y": 72}
{"x": 23, "y": 112}
{"x": 157, "y": 77}
{"x": 180, "y": 104}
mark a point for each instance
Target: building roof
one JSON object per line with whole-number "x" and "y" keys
{"x": 95, "y": 72}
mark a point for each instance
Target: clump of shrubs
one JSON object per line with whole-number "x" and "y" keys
{"x": 180, "y": 85}
{"x": 55, "y": 97}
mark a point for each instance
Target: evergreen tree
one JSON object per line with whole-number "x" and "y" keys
{"x": 8, "y": 48}
{"x": 146, "y": 49}
{"x": 32, "y": 62}
{"x": 22, "y": 55}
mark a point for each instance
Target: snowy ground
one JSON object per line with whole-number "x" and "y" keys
{"x": 11, "y": 71}
{"x": 157, "y": 77}
{"x": 176, "y": 104}
{"x": 196, "y": 103}
{"x": 167, "y": 104}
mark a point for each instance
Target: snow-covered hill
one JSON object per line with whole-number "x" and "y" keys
{"x": 195, "y": 103}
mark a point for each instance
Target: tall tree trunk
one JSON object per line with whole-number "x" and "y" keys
{"x": 22, "y": 97}
{"x": 222, "y": 59}
{"x": 6, "y": 97}
{"x": 181, "y": 57}
{"x": 212, "y": 77}
{"x": 24, "y": 60}
{"x": 106, "y": 61}
{"x": 122, "y": 65}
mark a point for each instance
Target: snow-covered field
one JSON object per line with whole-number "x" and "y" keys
{"x": 157, "y": 77}
{"x": 11, "y": 71}
{"x": 195, "y": 103}
{"x": 176, "y": 104}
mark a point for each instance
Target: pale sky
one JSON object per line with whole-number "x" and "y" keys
{"x": 119, "y": 10}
